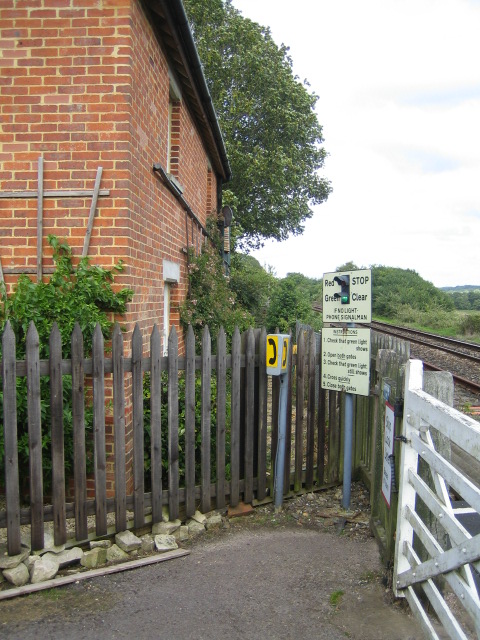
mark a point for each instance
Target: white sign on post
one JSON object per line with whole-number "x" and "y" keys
{"x": 347, "y": 296}
{"x": 346, "y": 359}
{"x": 388, "y": 445}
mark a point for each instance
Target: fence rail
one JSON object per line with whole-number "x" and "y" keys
{"x": 226, "y": 437}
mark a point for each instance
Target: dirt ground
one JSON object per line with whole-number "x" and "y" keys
{"x": 311, "y": 571}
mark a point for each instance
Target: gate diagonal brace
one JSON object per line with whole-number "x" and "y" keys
{"x": 467, "y": 552}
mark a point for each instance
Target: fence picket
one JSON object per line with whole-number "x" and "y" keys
{"x": 221, "y": 417}
{"x": 334, "y": 437}
{"x": 34, "y": 436}
{"x": 138, "y": 445}
{"x": 79, "y": 453}
{"x": 235, "y": 421}
{"x": 247, "y": 428}
{"x": 310, "y": 411}
{"x": 156, "y": 424}
{"x": 262, "y": 419}
{"x": 12, "y": 487}
{"x": 206, "y": 420}
{"x": 249, "y": 413}
{"x": 299, "y": 418}
{"x": 322, "y": 394}
{"x": 119, "y": 428}
{"x": 190, "y": 423}
{"x": 58, "y": 456}
{"x": 100, "y": 463}
{"x": 173, "y": 470}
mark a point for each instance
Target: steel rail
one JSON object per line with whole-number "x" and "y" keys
{"x": 421, "y": 337}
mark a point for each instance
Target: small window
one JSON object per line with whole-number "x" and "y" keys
{"x": 174, "y": 113}
{"x": 211, "y": 204}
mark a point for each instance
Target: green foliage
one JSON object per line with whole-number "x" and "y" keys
{"x": 211, "y": 301}
{"x": 82, "y": 294}
{"x": 348, "y": 266}
{"x": 394, "y": 289}
{"x": 292, "y": 300}
{"x": 470, "y": 324}
{"x": 268, "y": 119}
{"x": 467, "y": 299}
{"x": 335, "y": 597}
{"x": 434, "y": 318}
{"x": 252, "y": 285}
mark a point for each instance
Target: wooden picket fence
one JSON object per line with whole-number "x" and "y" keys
{"x": 243, "y": 470}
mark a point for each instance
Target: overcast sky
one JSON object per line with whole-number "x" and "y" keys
{"x": 399, "y": 88}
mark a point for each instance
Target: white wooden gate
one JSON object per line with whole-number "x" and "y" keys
{"x": 436, "y": 557}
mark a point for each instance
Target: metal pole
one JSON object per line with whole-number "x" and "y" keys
{"x": 282, "y": 433}
{"x": 347, "y": 451}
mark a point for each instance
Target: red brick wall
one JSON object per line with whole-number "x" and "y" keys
{"x": 88, "y": 86}
{"x": 84, "y": 87}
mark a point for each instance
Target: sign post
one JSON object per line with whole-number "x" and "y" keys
{"x": 347, "y": 299}
{"x": 277, "y": 365}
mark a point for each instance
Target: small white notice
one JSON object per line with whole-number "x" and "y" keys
{"x": 346, "y": 360}
{"x": 388, "y": 444}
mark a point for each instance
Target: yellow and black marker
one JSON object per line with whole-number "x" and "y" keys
{"x": 277, "y": 353}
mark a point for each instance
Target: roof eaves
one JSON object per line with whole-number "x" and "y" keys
{"x": 170, "y": 18}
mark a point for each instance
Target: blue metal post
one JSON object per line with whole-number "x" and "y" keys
{"x": 347, "y": 450}
{"x": 282, "y": 434}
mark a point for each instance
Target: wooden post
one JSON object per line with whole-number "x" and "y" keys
{"x": 91, "y": 216}
{"x": 119, "y": 428}
{"x": 156, "y": 424}
{"x": 58, "y": 455}
{"x": 205, "y": 504}
{"x": 39, "y": 219}
{"x": 9, "y": 378}
{"x": 190, "y": 423}
{"x": 235, "y": 420}
{"x": 138, "y": 446}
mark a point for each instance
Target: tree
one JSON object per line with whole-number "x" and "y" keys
{"x": 252, "y": 285}
{"x": 272, "y": 135}
{"x": 348, "y": 266}
{"x": 292, "y": 300}
{"x": 394, "y": 288}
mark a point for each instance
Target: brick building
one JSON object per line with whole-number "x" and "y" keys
{"x": 109, "y": 140}
{"x": 115, "y": 84}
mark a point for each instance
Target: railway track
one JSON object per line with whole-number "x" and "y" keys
{"x": 468, "y": 350}
{"x": 439, "y": 353}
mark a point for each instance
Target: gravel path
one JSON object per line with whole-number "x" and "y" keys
{"x": 310, "y": 572}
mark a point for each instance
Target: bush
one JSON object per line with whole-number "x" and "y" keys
{"x": 470, "y": 324}
{"x": 435, "y": 318}
{"x": 210, "y": 300}
{"x": 82, "y": 294}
